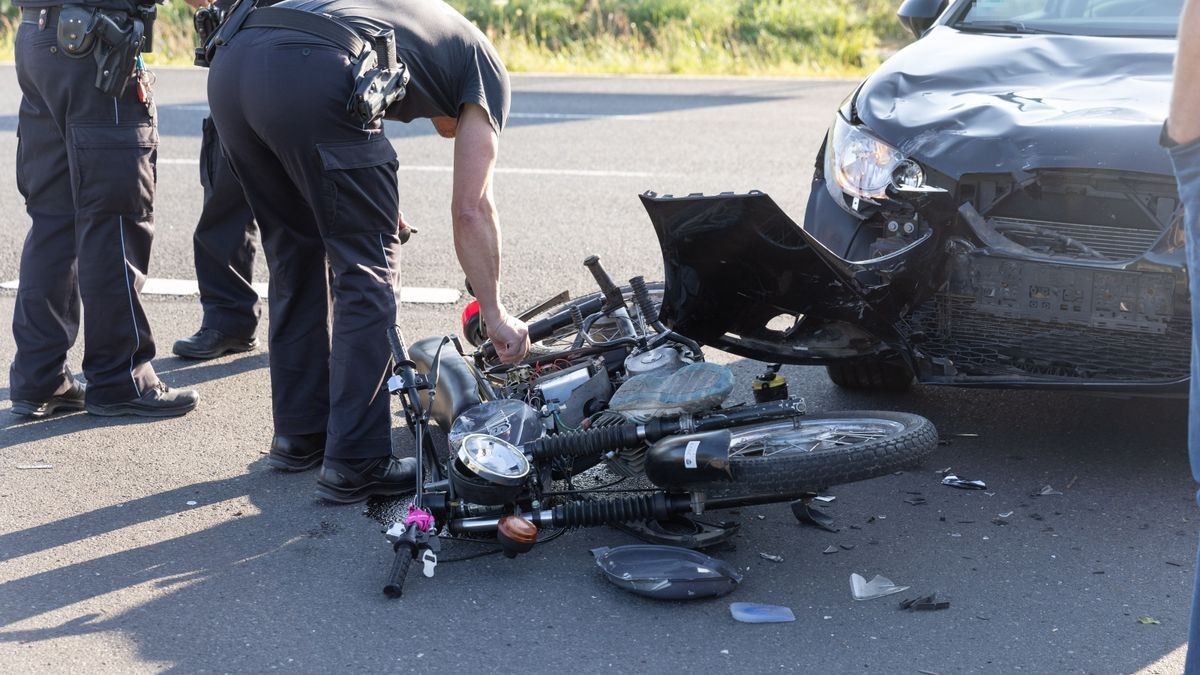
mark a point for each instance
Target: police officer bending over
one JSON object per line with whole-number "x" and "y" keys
{"x": 85, "y": 165}
{"x": 297, "y": 100}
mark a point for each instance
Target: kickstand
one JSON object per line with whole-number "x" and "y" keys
{"x": 807, "y": 515}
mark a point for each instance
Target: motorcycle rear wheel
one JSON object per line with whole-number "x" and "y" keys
{"x": 781, "y": 461}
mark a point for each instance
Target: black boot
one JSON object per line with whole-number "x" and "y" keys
{"x": 69, "y": 400}
{"x": 346, "y": 481}
{"x": 297, "y": 452}
{"x": 158, "y": 401}
{"x": 209, "y": 343}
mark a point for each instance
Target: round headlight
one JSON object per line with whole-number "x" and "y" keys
{"x": 494, "y": 460}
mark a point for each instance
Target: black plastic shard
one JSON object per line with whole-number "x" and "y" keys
{"x": 806, "y": 514}
{"x": 925, "y": 603}
{"x": 666, "y": 572}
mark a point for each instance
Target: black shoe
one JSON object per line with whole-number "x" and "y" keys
{"x": 209, "y": 343}
{"x": 298, "y": 452}
{"x": 158, "y": 401}
{"x": 349, "y": 481}
{"x": 69, "y": 400}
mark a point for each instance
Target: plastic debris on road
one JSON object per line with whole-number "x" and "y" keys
{"x": 807, "y": 515}
{"x": 1046, "y": 491}
{"x": 925, "y": 603}
{"x": 772, "y": 558}
{"x": 26, "y": 467}
{"x": 666, "y": 572}
{"x": 825, "y": 499}
{"x": 962, "y": 483}
{"x": 1148, "y": 621}
{"x": 878, "y": 587}
{"x": 830, "y": 549}
{"x": 751, "y": 612}
{"x": 191, "y": 503}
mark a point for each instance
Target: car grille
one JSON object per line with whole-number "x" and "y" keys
{"x": 1114, "y": 243}
{"x": 985, "y": 344}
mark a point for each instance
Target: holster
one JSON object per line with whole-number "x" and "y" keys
{"x": 380, "y": 79}
{"x": 116, "y": 52}
{"x": 113, "y": 38}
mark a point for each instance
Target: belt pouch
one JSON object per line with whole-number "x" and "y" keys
{"x": 76, "y": 30}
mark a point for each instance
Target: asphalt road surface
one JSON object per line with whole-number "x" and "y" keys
{"x": 169, "y": 545}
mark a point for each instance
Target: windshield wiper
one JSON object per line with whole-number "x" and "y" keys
{"x": 1004, "y": 27}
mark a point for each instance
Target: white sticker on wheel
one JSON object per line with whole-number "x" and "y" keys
{"x": 689, "y": 455}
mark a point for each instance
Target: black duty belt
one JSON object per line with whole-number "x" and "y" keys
{"x": 42, "y": 16}
{"x": 319, "y": 25}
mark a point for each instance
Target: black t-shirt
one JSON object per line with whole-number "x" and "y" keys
{"x": 450, "y": 61}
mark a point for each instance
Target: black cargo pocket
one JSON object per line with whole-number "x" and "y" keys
{"x": 112, "y": 168}
{"x": 359, "y": 188}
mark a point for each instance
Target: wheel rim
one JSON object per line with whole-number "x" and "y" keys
{"x": 812, "y": 435}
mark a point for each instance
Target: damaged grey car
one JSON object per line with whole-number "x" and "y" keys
{"x": 990, "y": 207}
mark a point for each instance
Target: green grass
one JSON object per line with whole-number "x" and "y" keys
{"x": 710, "y": 37}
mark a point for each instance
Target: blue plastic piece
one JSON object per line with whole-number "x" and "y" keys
{"x": 752, "y": 612}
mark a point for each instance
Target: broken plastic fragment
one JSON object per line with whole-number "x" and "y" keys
{"x": 925, "y": 603}
{"x": 830, "y": 549}
{"x": 35, "y": 466}
{"x": 954, "y": 481}
{"x": 878, "y": 587}
{"x": 750, "y": 612}
{"x": 825, "y": 499}
{"x": 1006, "y": 514}
{"x": 772, "y": 558}
{"x": 191, "y": 503}
{"x": 916, "y": 501}
{"x": 1148, "y": 621}
{"x": 810, "y": 516}
{"x": 943, "y": 472}
{"x": 666, "y": 572}
{"x": 966, "y": 435}
{"x": 1047, "y": 491}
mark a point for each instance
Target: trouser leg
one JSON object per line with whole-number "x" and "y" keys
{"x": 110, "y": 146}
{"x": 1186, "y": 160}
{"x": 224, "y": 245}
{"x": 47, "y": 312}
{"x": 347, "y": 176}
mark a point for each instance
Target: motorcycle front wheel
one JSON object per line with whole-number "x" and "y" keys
{"x": 781, "y": 461}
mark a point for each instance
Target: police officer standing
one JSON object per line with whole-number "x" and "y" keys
{"x": 320, "y": 177}
{"x": 85, "y": 165}
{"x": 224, "y": 245}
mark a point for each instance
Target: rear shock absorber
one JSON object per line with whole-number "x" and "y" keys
{"x": 585, "y": 513}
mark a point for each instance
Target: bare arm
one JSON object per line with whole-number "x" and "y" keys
{"x": 1184, "y": 123}
{"x": 477, "y": 229}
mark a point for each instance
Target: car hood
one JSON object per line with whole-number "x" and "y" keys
{"x": 980, "y": 103}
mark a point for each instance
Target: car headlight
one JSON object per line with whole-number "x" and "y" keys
{"x": 860, "y": 166}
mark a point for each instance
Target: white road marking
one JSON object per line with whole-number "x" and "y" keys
{"x": 617, "y": 117}
{"x": 429, "y": 168}
{"x": 185, "y": 287}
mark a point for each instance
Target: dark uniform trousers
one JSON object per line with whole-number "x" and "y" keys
{"x": 86, "y": 167}
{"x": 224, "y": 245}
{"x": 323, "y": 190}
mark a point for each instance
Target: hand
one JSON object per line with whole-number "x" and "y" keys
{"x": 509, "y": 335}
{"x": 404, "y": 230}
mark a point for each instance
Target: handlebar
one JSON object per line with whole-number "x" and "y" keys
{"x": 612, "y": 295}
{"x": 394, "y": 588}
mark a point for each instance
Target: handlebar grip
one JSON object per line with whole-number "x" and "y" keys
{"x": 396, "y": 342}
{"x": 612, "y": 294}
{"x": 394, "y": 588}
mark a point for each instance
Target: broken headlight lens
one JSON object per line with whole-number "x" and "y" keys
{"x": 857, "y": 164}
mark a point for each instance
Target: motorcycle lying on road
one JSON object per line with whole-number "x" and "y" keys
{"x": 606, "y": 381}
